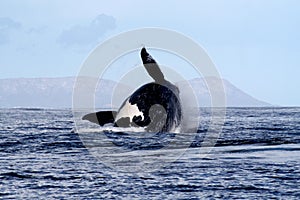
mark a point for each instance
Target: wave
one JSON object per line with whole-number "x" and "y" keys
{"x": 29, "y": 108}
{"x": 254, "y": 149}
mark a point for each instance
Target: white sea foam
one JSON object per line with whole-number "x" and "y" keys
{"x": 111, "y": 128}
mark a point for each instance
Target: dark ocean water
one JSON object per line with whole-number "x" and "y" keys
{"x": 257, "y": 156}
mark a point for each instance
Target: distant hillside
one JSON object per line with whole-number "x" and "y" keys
{"x": 57, "y": 93}
{"x": 234, "y": 96}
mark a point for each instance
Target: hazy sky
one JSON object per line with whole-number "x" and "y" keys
{"x": 255, "y": 44}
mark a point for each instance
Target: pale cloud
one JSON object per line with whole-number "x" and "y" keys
{"x": 89, "y": 33}
{"x": 37, "y": 30}
{"x": 6, "y": 26}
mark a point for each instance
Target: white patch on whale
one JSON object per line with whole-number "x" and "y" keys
{"x": 129, "y": 110}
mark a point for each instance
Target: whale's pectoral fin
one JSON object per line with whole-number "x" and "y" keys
{"x": 158, "y": 116}
{"x": 152, "y": 67}
{"x": 101, "y": 117}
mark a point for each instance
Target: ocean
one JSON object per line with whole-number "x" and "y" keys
{"x": 256, "y": 156}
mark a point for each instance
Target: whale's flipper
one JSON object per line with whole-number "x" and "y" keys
{"x": 101, "y": 117}
{"x": 152, "y": 67}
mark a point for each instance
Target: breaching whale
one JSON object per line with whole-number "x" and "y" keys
{"x": 154, "y": 106}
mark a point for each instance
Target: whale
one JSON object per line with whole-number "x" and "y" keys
{"x": 155, "y": 106}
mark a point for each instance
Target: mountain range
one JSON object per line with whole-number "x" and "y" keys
{"x": 57, "y": 93}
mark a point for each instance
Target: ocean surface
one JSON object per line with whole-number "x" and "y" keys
{"x": 43, "y": 155}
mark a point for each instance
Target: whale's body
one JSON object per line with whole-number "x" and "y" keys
{"x": 154, "y": 106}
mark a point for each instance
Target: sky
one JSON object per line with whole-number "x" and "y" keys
{"x": 254, "y": 44}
